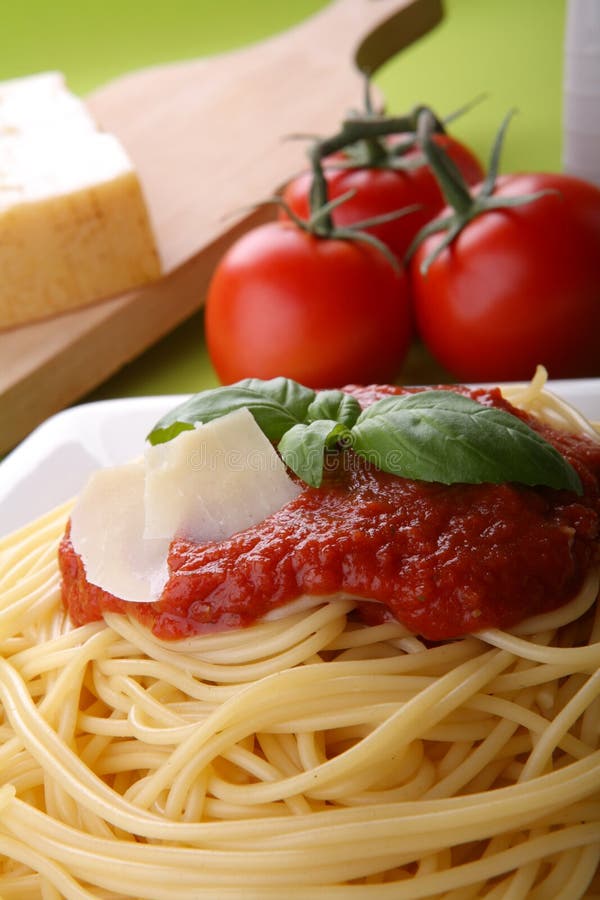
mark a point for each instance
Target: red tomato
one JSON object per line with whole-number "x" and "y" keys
{"x": 322, "y": 311}
{"x": 383, "y": 190}
{"x": 518, "y": 286}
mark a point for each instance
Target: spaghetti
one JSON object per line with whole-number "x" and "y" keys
{"x": 309, "y": 753}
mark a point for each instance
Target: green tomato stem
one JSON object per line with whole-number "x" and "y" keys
{"x": 465, "y": 204}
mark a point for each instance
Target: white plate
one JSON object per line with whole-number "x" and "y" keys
{"x": 53, "y": 463}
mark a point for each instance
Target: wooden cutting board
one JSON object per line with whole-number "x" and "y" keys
{"x": 208, "y": 139}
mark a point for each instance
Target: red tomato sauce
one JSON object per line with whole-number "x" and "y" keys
{"x": 443, "y": 560}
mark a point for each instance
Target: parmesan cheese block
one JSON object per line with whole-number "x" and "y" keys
{"x": 74, "y": 227}
{"x": 41, "y": 103}
{"x": 206, "y": 484}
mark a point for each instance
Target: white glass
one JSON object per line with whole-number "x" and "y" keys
{"x": 581, "y": 115}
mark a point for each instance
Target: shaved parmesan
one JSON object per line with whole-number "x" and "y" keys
{"x": 206, "y": 484}
{"x": 107, "y": 531}
{"x": 215, "y": 480}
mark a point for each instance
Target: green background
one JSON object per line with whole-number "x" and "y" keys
{"x": 510, "y": 50}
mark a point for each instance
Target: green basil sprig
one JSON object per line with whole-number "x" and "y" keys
{"x": 277, "y": 405}
{"x": 447, "y": 437}
{"x": 430, "y": 435}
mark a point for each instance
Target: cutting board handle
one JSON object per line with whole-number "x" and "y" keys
{"x": 395, "y": 33}
{"x": 375, "y": 29}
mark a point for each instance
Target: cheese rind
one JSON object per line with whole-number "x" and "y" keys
{"x": 74, "y": 226}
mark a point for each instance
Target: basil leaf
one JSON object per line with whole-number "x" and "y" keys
{"x": 447, "y": 437}
{"x": 277, "y": 405}
{"x": 303, "y": 447}
{"x": 336, "y": 405}
{"x": 432, "y": 435}
{"x": 287, "y": 393}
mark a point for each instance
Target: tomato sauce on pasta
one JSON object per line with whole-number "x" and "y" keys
{"x": 443, "y": 560}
